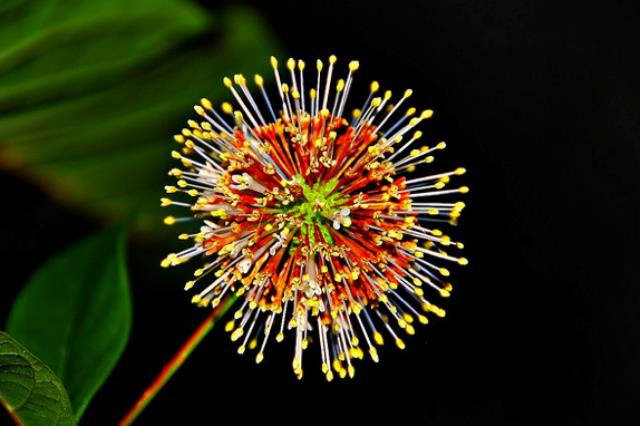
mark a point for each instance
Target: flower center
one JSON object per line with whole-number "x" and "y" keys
{"x": 319, "y": 206}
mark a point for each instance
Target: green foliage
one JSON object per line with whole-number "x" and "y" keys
{"x": 91, "y": 92}
{"x": 75, "y": 314}
{"x": 29, "y": 390}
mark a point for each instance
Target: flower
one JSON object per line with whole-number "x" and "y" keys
{"x": 312, "y": 219}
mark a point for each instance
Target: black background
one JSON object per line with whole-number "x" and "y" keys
{"x": 539, "y": 101}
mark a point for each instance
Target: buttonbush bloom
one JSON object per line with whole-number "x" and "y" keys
{"x": 313, "y": 218}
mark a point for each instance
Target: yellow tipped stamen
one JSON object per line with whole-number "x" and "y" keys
{"x": 227, "y": 108}
{"x": 428, "y": 113}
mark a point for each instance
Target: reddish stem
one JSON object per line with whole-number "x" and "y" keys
{"x": 176, "y": 362}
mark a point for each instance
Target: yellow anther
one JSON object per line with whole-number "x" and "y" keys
{"x": 411, "y": 169}
{"x": 441, "y": 145}
{"x": 237, "y": 334}
{"x": 444, "y": 272}
{"x": 408, "y": 93}
{"x": 227, "y": 108}
{"x": 375, "y": 86}
{"x": 258, "y": 80}
{"x": 274, "y": 62}
{"x": 400, "y": 344}
{"x": 423, "y": 319}
{"x": 410, "y": 112}
{"x": 253, "y": 343}
{"x": 410, "y": 330}
{"x": 178, "y": 138}
{"x": 280, "y": 337}
{"x": 340, "y": 85}
{"x": 429, "y": 159}
{"x": 351, "y": 370}
{"x": 227, "y": 82}
{"x": 228, "y": 327}
{"x": 239, "y": 79}
{"x": 374, "y": 354}
{"x": 189, "y": 285}
{"x": 332, "y": 59}
{"x": 319, "y": 65}
{"x": 460, "y": 171}
{"x": 164, "y": 202}
{"x": 376, "y": 102}
{"x": 241, "y": 349}
{"x": 377, "y": 337}
{"x": 353, "y": 66}
{"x": 169, "y": 220}
{"x": 463, "y": 261}
{"x": 356, "y": 113}
{"x": 444, "y": 293}
{"x": 464, "y": 189}
{"x": 196, "y": 299}
{"x": 414, "y": 121}
{"x": 387, "y": 95}
{"x": 206, "y": 103}
{"x": 291, "y": 64}
{"x": 301, "y": 64}
{"x": 259, "y": 357}
{"x": 427, "y": 113}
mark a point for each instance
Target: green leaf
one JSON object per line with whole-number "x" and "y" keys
{"x": 29, "y": 390}
{"x": 75, "y": 314}
{"x": 100, "y": 141}
{"x": 55, "y": 49}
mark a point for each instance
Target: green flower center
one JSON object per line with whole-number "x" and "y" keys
{"x": 317, "y": 207}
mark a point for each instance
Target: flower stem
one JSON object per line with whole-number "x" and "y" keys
{"x": 176, "y": 362}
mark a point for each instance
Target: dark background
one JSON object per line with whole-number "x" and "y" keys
{"x": 539, "y": 101}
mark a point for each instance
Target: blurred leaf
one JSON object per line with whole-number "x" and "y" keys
{"x": 75, "y": 314}
{"x": 106, "y": 150}
{"x": 58, "y": 48}
{"x": 29, "y": 390}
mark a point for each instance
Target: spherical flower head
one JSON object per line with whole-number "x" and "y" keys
{"x": 313, "y": 219}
